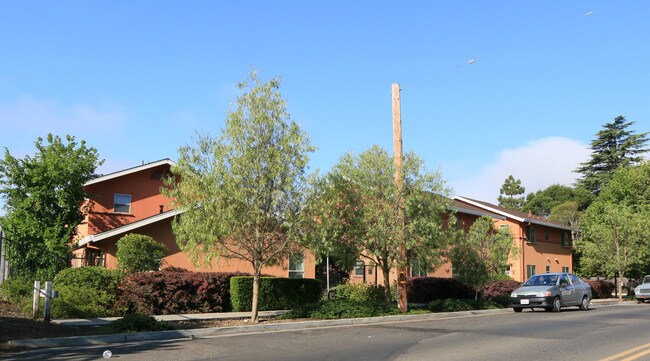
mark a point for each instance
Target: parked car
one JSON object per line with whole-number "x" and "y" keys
{"x": 552, "y": 292}
{"x": 642, "y": 291}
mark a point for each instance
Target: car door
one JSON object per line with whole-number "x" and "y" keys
{"x": 579, "y": 287}
{"x": 568, "y": 291}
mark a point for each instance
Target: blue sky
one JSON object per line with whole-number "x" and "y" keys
{"x": 136, "y": 80}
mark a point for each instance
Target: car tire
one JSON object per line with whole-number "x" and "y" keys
{"x": 517, "y": 309}
{"x": 584, "y": 305}
{"x": 557, "y": 305}
{"x": 640, "y": 300}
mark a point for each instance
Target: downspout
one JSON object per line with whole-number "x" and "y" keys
{"x": 523, "y": 255}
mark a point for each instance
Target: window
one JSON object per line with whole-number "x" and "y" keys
{"x": 297, "y": 265}
{"x": 530, "y": 234}
{"x": 530, "y": 270}
{"x": 565, "y": 239}
{"x": 507, "y": 272}
{"x": 122, "y": 203}
{"x": 419, "y": 268}
{"x": 565, "y": 269}
{"x": 454, "y": 271}
{"x": 575, "y": 279}
{"x": 359, "y": 268}
{"x": 548, "y": 269}
{"x": 547, "y": 235}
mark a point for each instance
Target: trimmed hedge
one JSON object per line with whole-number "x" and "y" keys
{"x": 601, "y": 289}
{"x": 275, "y": 293}
{"x": 86, "y": 292}
{"x": 456, "y": 305}
{"x": 498, "y": 288}
{"x": 360, "y": 292}
{"x": 427, "y": 289}
{"x": 164, "y": 292}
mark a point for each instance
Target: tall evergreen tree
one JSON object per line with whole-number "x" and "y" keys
{"x": 615, "y": 146}
{"x": 511, "y": 194}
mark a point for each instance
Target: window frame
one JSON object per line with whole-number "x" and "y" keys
{"x": 359, "y": 268}
{"x": 296, "y": 272}
{"x": 531, "y": 270}
{"x": 530, "y": 234}
{"x": 566, "y": 239}
{"x": 115, "y": 203}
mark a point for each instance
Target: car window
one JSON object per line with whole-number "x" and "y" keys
{"x": 541, "y": 280}
{"x": 564, "y": 278}
{"x": 646, "y": 279}
{"x": 575, "y": 279}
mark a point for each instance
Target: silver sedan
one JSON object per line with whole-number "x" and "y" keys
{"x": 551, "y": 291}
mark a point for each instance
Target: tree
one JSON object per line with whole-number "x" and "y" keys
{"x": 615, "y": 146}
{"x": 374, "y": 232}
{"x": 543, "y": 201}
{"x": 482, "y": 254}
{"x": 139, "y": 253}
{"x": 43, "y": 194}
{"x": 241, "y": 193}
{"x": 511, "y": 194}
{"x": 615, "y": 225}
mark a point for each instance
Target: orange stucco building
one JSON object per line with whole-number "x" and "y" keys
{"x": 541, "y": 246}
{"x": 130, "y": 201}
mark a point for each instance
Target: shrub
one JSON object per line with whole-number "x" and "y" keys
{"x": 163, "y": 292}
{"x": 139, "y": 253}
{"x": 426, "y": 289}
{"x": 134, "y": 322}
{"x": 449, "y": 305}
{"x": 20, "y": 291}
{"x": 601, "y": 288}
{"x": 334, "y": 309}
{"x": 360, "y": 292}
{"x": 274, "y": 293}
{"x": 503, "y": 300}
{"x": 86, "y": 292}
{"x": 499, "y": 288}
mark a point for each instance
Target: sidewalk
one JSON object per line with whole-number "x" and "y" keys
{"x": 220, "y": 331}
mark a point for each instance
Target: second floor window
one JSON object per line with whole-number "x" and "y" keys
{"x": 530, "y": 234}
{"x": 565, "y": 239}
{"x": 122, "y": 203}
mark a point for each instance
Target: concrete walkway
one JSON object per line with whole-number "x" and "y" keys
{"x": 220, "y": 331}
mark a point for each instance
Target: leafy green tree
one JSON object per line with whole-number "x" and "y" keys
{"x": 139, "y": 253}
{"x": 43, "y": 194}
{"x": 543, "y": 201}
{"x": 511, "y": 194}
{"x": 482, "y": 254}
{"x": 615, "y": 225}
{"x": 241, "y": 193}
{"x": 615, "y": 146}
{"x": 374, "y": 232}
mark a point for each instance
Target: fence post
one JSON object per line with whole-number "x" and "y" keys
{"x": 48, "y": 301}
{"x": 36, "y": 299}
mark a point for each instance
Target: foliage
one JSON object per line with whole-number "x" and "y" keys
{"x": 134, "y": 322}
{"x": 502, "y": 300}
{"x": 275, "y": 293}
{"x": 483, "y": 253}
{"x": 241, "y": 193}
{"x": 601, "y": 288}
{"x": 511, "y": 194}
{"x": 543, "y": 201}
{"x": 19, "y": 290}
{"x": 360, "y": 292}
{"x": 86, "y": 292}
{"x": 458, "y": 305}
{"x": 139, "y": 253}
{"x": 334, "y": 309}
{"x": 42, "y": 196}
{"x": 425, "y": 289}
{"x": 374, "y": 231}
{"x": 615, "y": 146}
{"x": 168, "y": 292}
{"x": 494, "y": 289}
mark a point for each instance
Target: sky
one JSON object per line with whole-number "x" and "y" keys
{"x": 489, "y": 88}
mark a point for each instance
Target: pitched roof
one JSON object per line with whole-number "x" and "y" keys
{"x": 460, "y": 207}
{"x": 514, "y": 214}
{"x": 128, "y": 227}
{"x": 130, "y": 171}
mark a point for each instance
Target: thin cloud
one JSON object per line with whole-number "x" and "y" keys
{"x": 538, "y": 164}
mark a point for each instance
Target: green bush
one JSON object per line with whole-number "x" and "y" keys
{"x": 360, "y": 292}
{"x": 134, "y": 322}
{"x": 139, "y": 253}
{"x": 274, "y": 293}
{"x": 502, "y": 300}
{"x": 457, "y": 305}
{"x": 86, "y": 292}
{"x": 19, "y": 291}
{"x": 334, "y": 309}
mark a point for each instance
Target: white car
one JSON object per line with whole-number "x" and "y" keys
{"x": 642, "y": 291}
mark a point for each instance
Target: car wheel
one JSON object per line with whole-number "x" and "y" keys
{"x": 557, "y": 305}
{"x": 517, "y": 309}
{"x": 640, "y": 300}
{"x": 584, "y": 305}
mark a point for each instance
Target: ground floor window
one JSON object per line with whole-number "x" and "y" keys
{"x": 548, "y": 269}
{"x": 565, "y": 269}
{"x": 297, "y": 265}
{"x": 359, "y": 268}
{"x": 419, "y": 268}
{"x": 530, "y": 270}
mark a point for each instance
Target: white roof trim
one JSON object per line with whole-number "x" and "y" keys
{"x": 127, "y": 228}
{"x": 520, "y": 219}
{"x": 476, "y": 213}
{"x": 129, "y": 171}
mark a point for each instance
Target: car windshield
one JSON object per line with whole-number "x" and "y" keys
{"x": 646, "y": 279}
{"x": 542, "y": 280}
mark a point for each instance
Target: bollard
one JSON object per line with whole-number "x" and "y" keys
{"x": 48, "y": 301}
{"x": 36, "y": 299}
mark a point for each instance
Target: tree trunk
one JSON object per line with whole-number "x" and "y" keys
{"x": 386, "y": 271}
{"x": 619, "y": 286}
{"x": 256, "y": 294}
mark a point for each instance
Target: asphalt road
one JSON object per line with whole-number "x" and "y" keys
{"x": 606, "y": 333}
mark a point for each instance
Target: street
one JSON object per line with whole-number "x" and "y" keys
{"x": 603, "y": 333}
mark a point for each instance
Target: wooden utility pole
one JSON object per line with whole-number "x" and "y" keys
{"x": 402, "y": 262}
